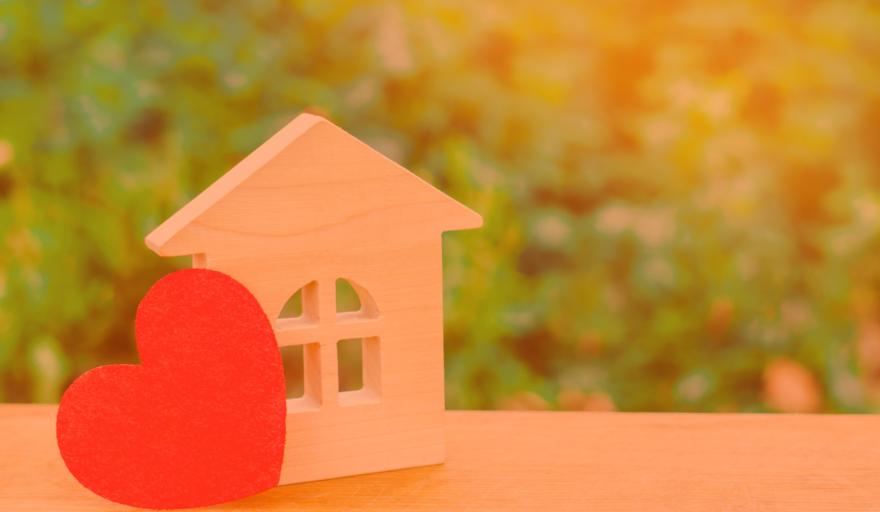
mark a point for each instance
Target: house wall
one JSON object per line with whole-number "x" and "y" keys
{"x": 401, "y": 267}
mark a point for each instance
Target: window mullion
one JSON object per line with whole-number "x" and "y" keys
{"x": 329, "y": 371}
{"x": 299, "y": 336}
{"x": 357, "y": 329}
{"x": 327, "y": 301}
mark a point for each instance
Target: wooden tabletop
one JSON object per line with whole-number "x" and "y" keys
{"x": 543, "y": 461}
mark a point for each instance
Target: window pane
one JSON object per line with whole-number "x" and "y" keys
{"x": 350, "y": 356}
{"x": 292, "y": 359}
{"x": 302, "y": 305}
{"x": 293, "y": 308}
{"x": 346, "y": 297}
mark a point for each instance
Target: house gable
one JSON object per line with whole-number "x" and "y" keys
{"x": 309, "y": 176}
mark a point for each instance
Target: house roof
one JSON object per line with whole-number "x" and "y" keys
{"x": 301, "y": 133}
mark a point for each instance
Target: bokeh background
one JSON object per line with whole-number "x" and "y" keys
{"x": 682, "y": 198}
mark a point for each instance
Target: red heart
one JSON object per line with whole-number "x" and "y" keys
{"x": 201, "y": 421}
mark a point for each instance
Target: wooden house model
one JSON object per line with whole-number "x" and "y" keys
{"x": 313, "y": 205}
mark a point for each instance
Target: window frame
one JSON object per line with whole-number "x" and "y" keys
{"x": 319, "y": 329}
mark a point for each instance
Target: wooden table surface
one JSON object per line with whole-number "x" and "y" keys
{"x": 543, "y": 461}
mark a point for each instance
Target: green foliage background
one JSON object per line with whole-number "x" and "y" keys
{"x": 676, "y": 194}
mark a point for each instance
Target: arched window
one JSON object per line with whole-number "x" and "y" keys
{"x": 329, "y": 336}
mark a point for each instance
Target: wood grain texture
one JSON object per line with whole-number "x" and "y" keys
{"x": 542, "y": 461}
{"x": 310, "y": 206}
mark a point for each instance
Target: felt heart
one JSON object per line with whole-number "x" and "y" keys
{"x": 201, "y": 420}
